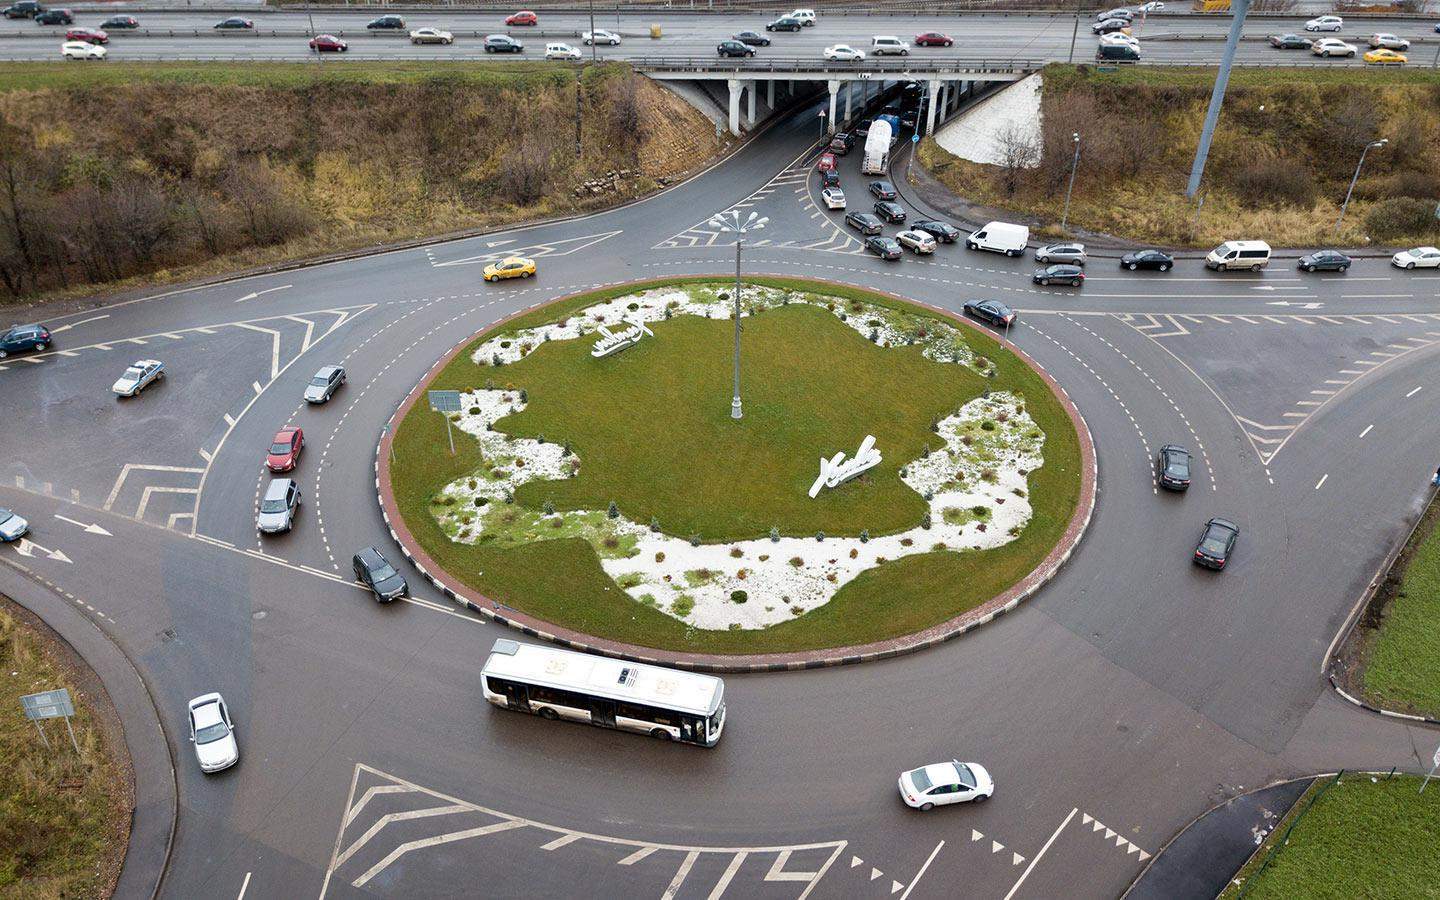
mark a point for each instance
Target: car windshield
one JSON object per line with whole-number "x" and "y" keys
{"x": 272, "y": 506}
{"x": 279, "y": 447}
{"x": 967, "y": 777}
{"x": 319, "y": 381}
{"x": 131, "y": 374}
{"x": 211, "y": 733}
{"x": 922, "y": 783}
{"x": 5, "y": 515}
{"x": 383, "y": 571}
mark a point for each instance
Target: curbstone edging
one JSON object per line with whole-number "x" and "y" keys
{"x": 889, "y": 648}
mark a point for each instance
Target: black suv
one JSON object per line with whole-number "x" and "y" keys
{"x": 945, "y": 234}
{"x": 386, "y": 22}
{"x": 734, "y": 48}
{"x": 503, "y": 43}
{"x": 883, "y": 190}
{"x": 55, "y": 17}
{"x": 1172, "y": 468}
{"x": 890, "y": 211}
{"x": 753, "y": 39}
{"x": 1216, "y": 543}
{"x": 842, "y": 143}
{"x": 23, "y": 9}
{"x": 865, "y": 223}
{"x": 784, "y": 23}
{"x": 374, "y": 571}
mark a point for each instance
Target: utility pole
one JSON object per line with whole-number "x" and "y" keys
{"x": 594, "y": 44}
{"x": 578, "y": 70}
{"x": 1074, "y": 164}
{"x": 730, "y": 222}
{"x": 311, "y": 19}
{"x": 1376, "y": 145}
{"x": 1074, "y": 32}
{"x": 1217, "y": 96}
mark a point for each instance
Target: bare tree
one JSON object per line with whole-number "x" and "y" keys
{"x": 1019, "y": 150}
{"x": 527, "y": 170}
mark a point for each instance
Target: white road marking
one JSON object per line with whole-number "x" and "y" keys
{"x": 78, "y": 324}
{"x": 1026, "y": 874}
{"x": 131, "y": 467}
{"x": 244, "y": 886}
{"x": 89, "y": 528}
{"x": 679, "y": 879}
{"x": 735, "y": 863}
{"x": 1414, "y": 392}
{"x": 253, "y": 294}
{"x": 1367, "y": 430}
{"x": 1321, "y": 481}
{"x": 921, "y": 874}
{"x": 635, "y": 857}
{"x": 431, "y": 842}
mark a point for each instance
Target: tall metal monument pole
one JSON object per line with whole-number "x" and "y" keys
{"x": 1232, "y": 41}
{"x": 730, "y": 222}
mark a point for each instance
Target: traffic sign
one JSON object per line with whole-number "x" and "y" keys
{"x": 444, "y": 401}
{"x": 48, "y": 705}
{"x": 915, "y": 138}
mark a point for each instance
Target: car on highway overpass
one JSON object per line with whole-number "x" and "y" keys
{"x": 503, "y": 43}
{"x": 734, "y": 48}
{"x": 233, "y": 23}
{"x": 509, "y": 267}
{"x": 1217, "y": 542}
{"x": 386, "y": 23}
{"x": 890, "y": 211}
{"x": 1147, "y": 259}
{"x": 884, "y": 247}
{"x": 943, "y": 783}
{"x": 843, "y": 53}
{"x": 82, "y": 50}
{"x": 212, "y": 733}
{"x": 1059, "y": 273}
{"x": 88, "y": 35}
{"x": 1417, "y": 258}
{"x": 1120, "y": 39}
{"x": 805, "y": 17}
{"x": 23, "y": 9}
{"x": 374, "y": 571}
{"x": 784, "y": 23}
{"x": 752, "y": 38}
{"x": 278, "y": 506}
{"x": 561, "y": 51}
{"x": 1388, "y": 41}
{"x": 324, "y": 384}
{"x": 834, "y": 198}
{"x": 431, "y": 36}
{"x": 1383, "y": 57}
{"x": 328, "y": 43}
{"x": 12, "y": 527}
{"x": 523, "y": 17}
{"x": 992, "y": 311}
{"x": 940, "y": 231}
{"x": 888, "y": 45}
{"x": 55, "y": 17}
{"x": 601, "y": 36}
{"x": 137, "y": 377}
{"x": 1119, "y": 12}
{"x": 933, "y": 39}
{"x": 1172, "y": 468}
{"x": 1110, "y": 25}
{"x": 1289, "y": 42}
{"x": 284, "y": 453}
{"x": 1325, "y": 23}
{"x": 1324, "y": 261}
{"x": 120, "y": 23}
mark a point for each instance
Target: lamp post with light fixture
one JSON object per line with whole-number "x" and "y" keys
{"x": 1373, "y": 145}
{"x": 732, "y": 223}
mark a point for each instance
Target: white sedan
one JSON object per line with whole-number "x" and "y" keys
{"x": 1328, "y": 47}
{"x": 431, "y": 36}
{"x": 81, "y": 50}
{"x": 1417, "y": 258}
{"x": 212, "y": 733}
{"x": 561, "y": 51}
{"x": 953, "y": 782}
{"x": 1325, "y": 23}
{"x": 601, "y": 36}
{"x": 834, "y": 198}
{"x": 1153, "y": 6}
{"x": 1120, "y": 39}
{"x": 138, "y": 377}
{"x": 844, "y": 53}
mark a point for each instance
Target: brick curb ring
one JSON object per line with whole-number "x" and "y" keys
{"x": 766, "y": 662}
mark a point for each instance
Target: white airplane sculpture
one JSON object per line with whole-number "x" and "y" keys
{"x": 613, "y": 342}
{"x": 838, "y": 470}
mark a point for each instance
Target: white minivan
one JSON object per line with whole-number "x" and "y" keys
{"x": 1252, "y": 255}
{"x": 1000, "y": 237}
{"x": 883, "y": 44}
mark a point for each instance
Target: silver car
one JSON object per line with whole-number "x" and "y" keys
{"x": 212, "y": 733}
{"x": 918, "y": 241}
{"x": 324, "y": 384}
{"x": 12, "y": 527}
{"x": 1071, "y": 253}
{"x": 278, "y": 506}
{"x": 1388, "y": 41}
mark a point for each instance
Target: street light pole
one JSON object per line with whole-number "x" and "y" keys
{"x": 730, "y": 222}
{"x": 1074, "y": 164}
{"x": 1376, "y": 145}
{"x": 594, "y": 44}
{"x": 1074, "y": 33}
{"x": 1217, "y": 95}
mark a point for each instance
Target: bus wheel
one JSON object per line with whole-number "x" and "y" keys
{"x": 548, "y": 713}
{"x": 660, "y": 733}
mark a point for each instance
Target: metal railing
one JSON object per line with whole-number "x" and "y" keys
{"x": 871, "y": 65}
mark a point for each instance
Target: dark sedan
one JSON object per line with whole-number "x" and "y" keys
{"x": 119, "y": 23}
{"x": 945, "y": 234}
{"x": 865, "y": 223}
{"x": 1172, "y": 468}
{"x": 884, "y": 247}
{"x": 55, "y": 17}
{"x": 753, "y": 39}
{"x": 1216, "y": 543}
{"x": 829, "y": 178}
{"x": 23, "y": 337}
{"x": 385, "y": 23}
{"x": 1289, "y": 42}
{"x": 784, "y": 23}
{"x": 1109, "y": 25}
{"x": 503, "y": 43}
{"x": 374, "y": 571}
{"x": 1059, "y": 274}
{"x": 992, "y": 311}
{"x": 890, "y": 211}
{"x": 1325, "y": 261}
{"x": 734, "y": 48}
{"x": 883, "y": 190}
{"x": 235, "y": 22}
{"x": 1147, "y": 259}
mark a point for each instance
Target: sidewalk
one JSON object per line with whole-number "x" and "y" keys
{"x": 1200, "y": 861}
{"x": 152, "y": 826}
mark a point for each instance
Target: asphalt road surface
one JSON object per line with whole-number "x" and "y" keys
{"x": 1133, "y": 692}
{"x": 1036, "y": 38}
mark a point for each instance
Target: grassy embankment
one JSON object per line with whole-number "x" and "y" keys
{"x": 189, "y": 169}
{"x": 562, "y": 581}
{"x": 63, "y": 820}
{"x": 1281, "y": 161}
{"x": 1366, "y": 836}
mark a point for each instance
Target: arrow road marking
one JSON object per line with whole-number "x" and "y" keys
{"x": 1300, "y": 305}
{"x": 253, "y": 294}
{"x": 28, "y": 547}
{"x": 89, "y": 529}
{"x": 79, "y": 323}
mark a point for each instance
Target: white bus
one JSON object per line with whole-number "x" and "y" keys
{"x": 611, "y": 693}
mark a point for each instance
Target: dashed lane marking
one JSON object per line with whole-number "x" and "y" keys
{"x": 548, "y": 248}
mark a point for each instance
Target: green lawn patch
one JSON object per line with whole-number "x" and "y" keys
{"x": 1360, "y": 838}
{"x": 669, "y": 450}
{"x": 1402, "y": 656}
{"x": 63, "y": 819}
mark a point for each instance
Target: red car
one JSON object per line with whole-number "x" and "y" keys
{"x": 88, "y": 35}
{"x": 826, "y": 163}
{"x": 933, "y": 39}
{"x": 523, "y": 17}
{"x": 323, "y": 42}
{"x": 285, "y": 449}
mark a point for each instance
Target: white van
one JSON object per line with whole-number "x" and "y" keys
{"x": 806, "y": 16}
{"x": 1252, "y": 255}
{"x": 882, "y": 44}
{"x": 1000, "y": 237}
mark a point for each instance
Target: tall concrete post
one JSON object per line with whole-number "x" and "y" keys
{"x": 930, "y": 115}
{"x": 750, "y": 90}
{"x": 849, "y": 96}
{"x": 734, "y": 87}
{"x": 1217, "y": 96}
{"x": 834, "y": 86}
{"x": 770, "y": 94}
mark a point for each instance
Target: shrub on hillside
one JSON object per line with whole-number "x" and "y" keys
{"x": 1401, "y": 217}
{"x": 1275, "y": 182}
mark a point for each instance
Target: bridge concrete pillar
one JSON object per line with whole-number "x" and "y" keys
{"x": 770, "y": 94}
{"x": 849, "y": 96}
{"x": 750, "y": 91}
{"x": 834, "y": 86}
{"x": 930, "y": 115}
{"x": 734, "y": 85}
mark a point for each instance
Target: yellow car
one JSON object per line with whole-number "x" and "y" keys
{"x": 510, "y": 267}
{"x": 1383, "y": 57}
